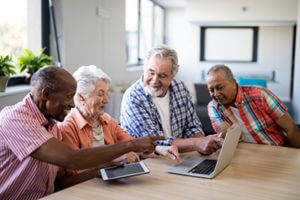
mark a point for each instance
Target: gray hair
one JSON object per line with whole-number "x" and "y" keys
{"x": 163, "y": 51}
{"x": 223, "y": 69}
{"x": 86, "y": 77}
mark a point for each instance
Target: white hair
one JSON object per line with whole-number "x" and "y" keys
{"x": 163, "y": 51}
{"x": 86, "y": 77}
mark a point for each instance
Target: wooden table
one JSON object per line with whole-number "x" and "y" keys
{"x": 256, "y": 172}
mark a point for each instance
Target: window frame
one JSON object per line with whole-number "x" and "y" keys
{"x": 139, "y": 60}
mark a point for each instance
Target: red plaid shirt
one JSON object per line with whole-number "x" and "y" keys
{"x": 259, "y": 109}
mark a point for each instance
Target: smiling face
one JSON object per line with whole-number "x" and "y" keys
{"x": 221, "y": 89}
{"x": 95, "y": 102}
{"x": 58, "y": 103}
{"x": 158, "y": 76}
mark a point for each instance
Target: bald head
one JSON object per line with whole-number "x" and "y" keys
{"x": 52, "y": 77}
{"x": 53, "y": 89}
{"x": 223, "y": 69}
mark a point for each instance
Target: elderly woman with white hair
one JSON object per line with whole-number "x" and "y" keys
{"x": 88, "y": 125}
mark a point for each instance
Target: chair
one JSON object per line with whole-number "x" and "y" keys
{"x": 252, "y": 81}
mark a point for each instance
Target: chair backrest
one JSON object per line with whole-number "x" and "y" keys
{"x": 252, "y": 81}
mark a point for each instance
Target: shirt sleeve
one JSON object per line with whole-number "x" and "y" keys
{"x": 214, "y": 115}
{"x": 137, "y": 120}
{"x": 272, "y": 104}
{"x": 23, "y": 136}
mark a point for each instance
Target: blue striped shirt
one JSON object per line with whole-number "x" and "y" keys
{"x": 140, "y": 117}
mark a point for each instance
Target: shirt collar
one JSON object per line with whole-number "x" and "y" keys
{"x": 239, "y": 99}
{"x": 239, "y": 96}
{"x": 38, "y": 114}
{"x": 81, "y": 121}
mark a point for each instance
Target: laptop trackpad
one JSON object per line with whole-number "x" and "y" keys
{"x": 186, "y": 165}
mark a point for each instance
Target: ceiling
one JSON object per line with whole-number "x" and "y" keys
{"x": 172, "y": 3}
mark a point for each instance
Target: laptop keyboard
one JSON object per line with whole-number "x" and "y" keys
{"x": 205, "y": 167}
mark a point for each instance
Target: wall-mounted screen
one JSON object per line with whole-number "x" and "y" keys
{"x": 229, "y": 44}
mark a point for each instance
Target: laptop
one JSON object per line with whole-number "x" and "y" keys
{"x": 209, "y": 168}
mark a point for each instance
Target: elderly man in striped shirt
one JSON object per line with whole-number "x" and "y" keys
{"x": 264, "y": 117}
{"x": 30, "y": 146}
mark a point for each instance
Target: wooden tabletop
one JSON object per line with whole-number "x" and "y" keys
{"x": 256, "y": 172}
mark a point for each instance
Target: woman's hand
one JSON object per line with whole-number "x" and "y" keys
{"x": 168, "y": 151}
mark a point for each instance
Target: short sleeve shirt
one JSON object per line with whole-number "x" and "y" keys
{"x": 259, "y": 109}
{"x": 23, "y": 129}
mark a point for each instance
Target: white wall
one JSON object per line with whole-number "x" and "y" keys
{"x": 232, "y": 10}
{"x": 274, "y": 40}
{"x": 296, "y": 93}
{"x": 93, "y": 32}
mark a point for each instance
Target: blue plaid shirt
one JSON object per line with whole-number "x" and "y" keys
{"x": 140, "y": 117}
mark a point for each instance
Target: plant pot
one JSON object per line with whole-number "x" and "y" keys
{"x": 3, "y": 82}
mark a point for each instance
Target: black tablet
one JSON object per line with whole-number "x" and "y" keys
{"x": 127, "y": 170}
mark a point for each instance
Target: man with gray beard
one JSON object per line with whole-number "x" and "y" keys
{"x": 159, "y": 105}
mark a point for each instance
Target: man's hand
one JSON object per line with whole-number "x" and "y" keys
{"x": 224, "y": 132}
{"x": 130, "y": 157}
{"x": 146, "y": 144}
{"x": 168, "y": 151}
{"x": 208, "y": 144}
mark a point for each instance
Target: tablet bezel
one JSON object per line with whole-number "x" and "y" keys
{"x": 141, "y": 163}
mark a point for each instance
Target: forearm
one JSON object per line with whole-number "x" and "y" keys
{"x": 64, "y": 181}
{"x": 184, "y": 145}
{"x": 293, "y": 136}
{"x": 90, "y": 157}
{"x": 58, "y": 153}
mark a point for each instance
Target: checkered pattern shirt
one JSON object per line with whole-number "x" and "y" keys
{"x": 259, "y": 109}
{"x": 140, "y": 117}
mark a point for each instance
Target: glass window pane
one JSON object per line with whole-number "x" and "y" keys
{"x": 158, "y": 25}
{"x": 13, "y": 27}
{"x": 131, "y": 31}
{"x": 146, "y": 27}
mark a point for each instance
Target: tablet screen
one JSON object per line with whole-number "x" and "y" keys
{"x": 124, "y": 171}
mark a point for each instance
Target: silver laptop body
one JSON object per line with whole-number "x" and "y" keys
{"x": 190, "y": 164}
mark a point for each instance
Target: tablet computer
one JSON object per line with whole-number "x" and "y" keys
{"x": 127, "y": 170}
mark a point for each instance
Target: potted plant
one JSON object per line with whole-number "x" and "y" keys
{"x": 6, "y": 69}
{"x": 30, "y": 63}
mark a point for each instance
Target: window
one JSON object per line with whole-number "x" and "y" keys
{"x": 144, "y": 29}
{"x": 13, "y": 27}
{"x": 229, "y": 44}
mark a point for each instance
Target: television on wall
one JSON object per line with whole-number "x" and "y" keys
{"x": 228, "y": 44}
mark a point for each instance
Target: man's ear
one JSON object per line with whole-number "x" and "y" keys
{"x": 45, "y": 93}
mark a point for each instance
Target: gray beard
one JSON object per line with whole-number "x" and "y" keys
{"x": 152, "y": 92}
